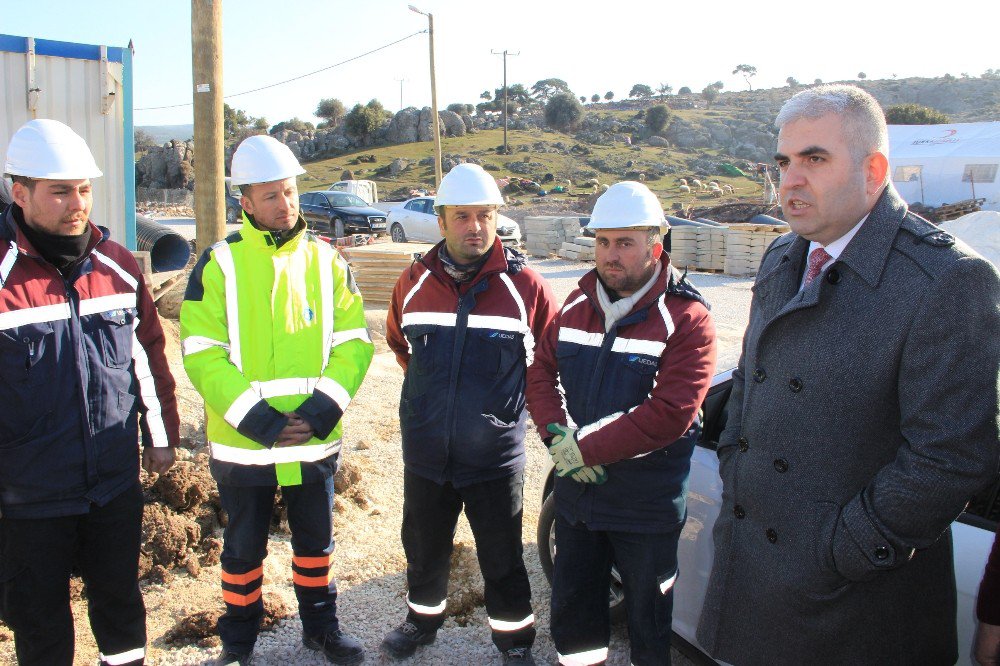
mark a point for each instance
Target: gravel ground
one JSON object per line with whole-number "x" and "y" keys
{"x": 369, "y": 563}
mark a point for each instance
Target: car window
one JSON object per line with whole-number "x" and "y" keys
{"x": 415, "y": 205}
{"x": 428, "y": 206}
{"x": 306, "y": 199}
{"x": 346, "y": 200}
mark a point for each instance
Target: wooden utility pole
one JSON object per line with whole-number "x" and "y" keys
{"x": 504, "y": 53}
{"x": 434, "y": 107}
{"x": 434, "y": 99}
{"x": 209, "y": 159}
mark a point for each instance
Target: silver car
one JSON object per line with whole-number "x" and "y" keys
{"x": 972, "y": 534}
{"x": 416, "y": 220}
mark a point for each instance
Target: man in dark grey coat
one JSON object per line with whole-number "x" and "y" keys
{"x": 863, "y": 414}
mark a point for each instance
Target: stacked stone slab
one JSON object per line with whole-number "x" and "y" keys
{"x": 711, "y": 248}
{"x": 684, "y": 247}
{"x": 746, "y": 245}
{"x": 544, "y": 235}
{"x": 580, "y": 248}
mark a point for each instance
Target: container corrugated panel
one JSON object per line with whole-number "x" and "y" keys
{"x": 69, "y": 79}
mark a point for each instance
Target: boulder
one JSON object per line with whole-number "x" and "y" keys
{"x": 452, "y": 124}
{"x": 403, "y": 126}
{"x": 658, "y": 142}
{"x": 398, "y": 166}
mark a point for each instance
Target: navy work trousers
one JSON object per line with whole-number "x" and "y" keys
{"x": 581, "y": 578}
{"x": 310, "y": 518}
{"x": 494, "y": 510}
{"x": 37, "y": 556}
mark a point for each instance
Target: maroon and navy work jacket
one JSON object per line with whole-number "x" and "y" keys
{"x": 464, "y": 350}
{"x": 634, "y": 395}
{"x": 82, "y": 369}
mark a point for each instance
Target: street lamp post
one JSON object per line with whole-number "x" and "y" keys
{"x": 434, "y": 103}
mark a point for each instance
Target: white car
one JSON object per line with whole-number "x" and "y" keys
{"x": 972, "y": 535}
{"x": 416, "y": 220}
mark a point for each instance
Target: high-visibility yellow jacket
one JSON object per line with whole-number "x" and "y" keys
{"x": 269, "y": 328}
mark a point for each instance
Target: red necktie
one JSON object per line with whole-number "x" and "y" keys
{"x": 817, "y": 259}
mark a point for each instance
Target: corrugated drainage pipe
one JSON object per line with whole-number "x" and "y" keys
{"x": 168, "y": 250}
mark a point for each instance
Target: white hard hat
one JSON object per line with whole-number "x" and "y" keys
{"x": 49, "y": 149}
{"x": 468, "y": 185}
{"x": 627, "y": 204}
{"x": 263, "y": 159}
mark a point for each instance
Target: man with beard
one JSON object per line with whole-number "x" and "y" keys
{"x": 82, "y": 374}
{"x": 463, "y": 321}
{"x": 615, "y": 389}
{"x": 863, "y": 414}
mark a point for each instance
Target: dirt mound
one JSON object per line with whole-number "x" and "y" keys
{"x": 349, "y": 483}
{"x": 186, "y": 486}
{"x": 465, "y": 584}
{"x": 168, "y": 538}
{"x": 200, "y": 627}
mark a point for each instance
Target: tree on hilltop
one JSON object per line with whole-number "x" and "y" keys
{"x": 862, "y": 76}
{"x": 362, "y": 121}
{"x": 914, "y": 114}
{"x": 543, "y": 90}
{"x": 747, "y": 71}
{"x": 595, "y": 98}
{"x": 331, "y": 110}
{"x": 641, "y": 90}
{"x": 711, "y": 92}
{"x": 237, "y": 124}
{"x": 609, "y": 95}
{"x": 563, "y": 112}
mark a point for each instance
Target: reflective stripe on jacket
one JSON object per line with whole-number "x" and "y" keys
{"x": 464, "y": 351}
{"x": 634, "y": 393}
{"x": 82, "y": 372}
{"x": 268, "y": 330}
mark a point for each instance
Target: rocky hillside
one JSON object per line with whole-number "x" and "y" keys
{"x": 738, "y": 126}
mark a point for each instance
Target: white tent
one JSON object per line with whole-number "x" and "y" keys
{"x": 943, "y": 164}
{"x": 981, "y": 231}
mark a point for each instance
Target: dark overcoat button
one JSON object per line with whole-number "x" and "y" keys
{"x": 739, "y": 512}
{"x": 772, "y": 536}
{"x": 881, "y": 552}
{"x": 833, "y": 276}
{"x": 744, "y": 444}
{"x": 759, "y": 375}
{"x": 781, "y": 465}
{"x": 795, "y": 384}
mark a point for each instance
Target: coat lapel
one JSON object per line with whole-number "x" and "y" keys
{"x": 780, "y": 285}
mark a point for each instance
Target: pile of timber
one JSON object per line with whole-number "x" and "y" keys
{"x": 377, "y": 267}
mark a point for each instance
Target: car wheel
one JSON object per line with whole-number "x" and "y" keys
{"x": 398, "y": 235}
{"x": 547, "y": 551}
{"x": 338, "y": 227}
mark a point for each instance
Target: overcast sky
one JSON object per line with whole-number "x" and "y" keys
{"x": 594, "y": 46}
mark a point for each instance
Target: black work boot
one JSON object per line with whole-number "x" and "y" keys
{"x": 404, "y": 640}
{"x": 519, "y": 655}
{"x": 338, "y": 647}
{"x": 230, "y": 658}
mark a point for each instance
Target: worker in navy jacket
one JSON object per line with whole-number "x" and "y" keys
{"x": 463, "y": 321}
{"x": 615, "y": 388}
{"x": 82, "y": 373}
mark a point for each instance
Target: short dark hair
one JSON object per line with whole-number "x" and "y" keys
{"x": 245, "y": 189}
{"x": 24, "y": 180}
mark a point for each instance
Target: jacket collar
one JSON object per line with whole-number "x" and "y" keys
{"x": 264, "y": 239}
{"x": 866, "y": 254}
{"x": 588, "y": 284}
{"x": 10, "y": 231}
{"x": 498, "y": 262}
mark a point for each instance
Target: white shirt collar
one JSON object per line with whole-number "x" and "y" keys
{"x": 834, "y": 249}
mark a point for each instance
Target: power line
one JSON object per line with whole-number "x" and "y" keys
{"x": 302, "y": 76}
